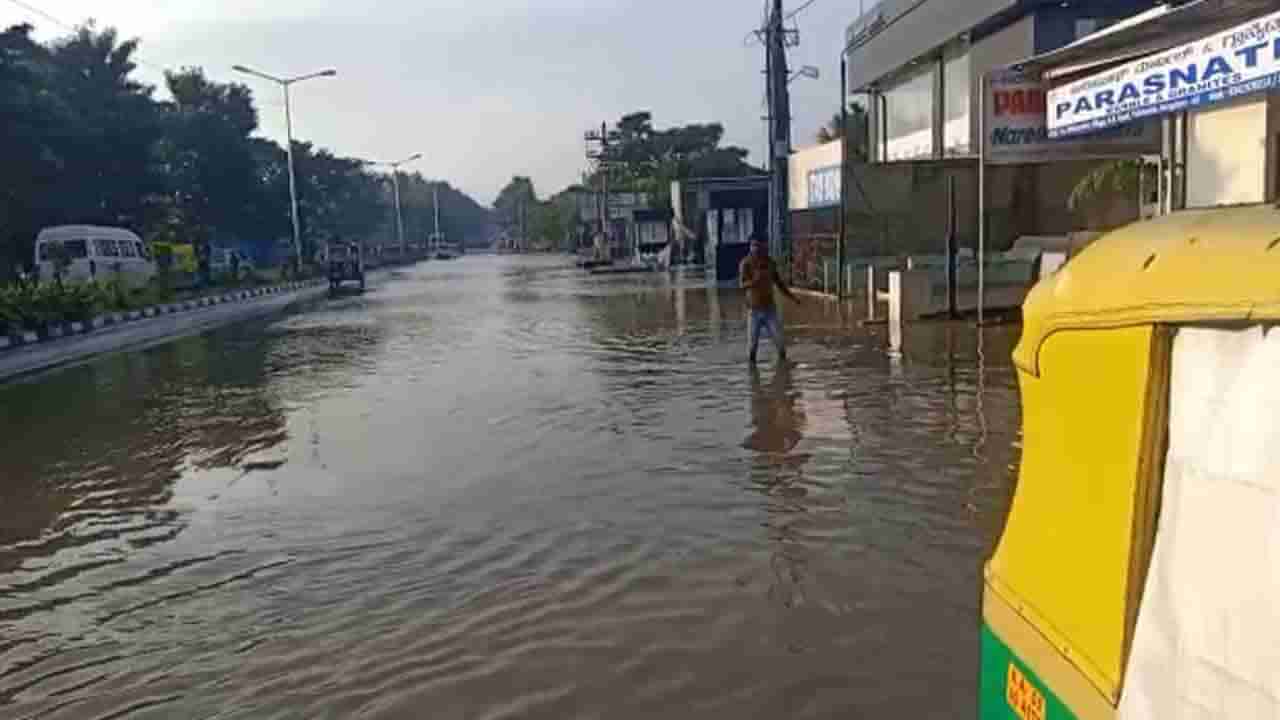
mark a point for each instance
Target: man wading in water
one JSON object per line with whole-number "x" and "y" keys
{"x": 758, "y": 275}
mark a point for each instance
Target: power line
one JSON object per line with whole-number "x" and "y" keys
{"x": 68, "y": 26}
{"x": 799, "y": 10}
{"x": 41, "y": 13}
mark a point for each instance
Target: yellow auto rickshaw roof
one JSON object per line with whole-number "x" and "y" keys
{"x": 1213, "y": 265}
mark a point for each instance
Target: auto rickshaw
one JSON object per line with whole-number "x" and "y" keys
{"x": 1138, "y": 573}
{"x": 346, "y": 265}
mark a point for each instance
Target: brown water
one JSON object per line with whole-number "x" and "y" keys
{"x": 498, "y": 488}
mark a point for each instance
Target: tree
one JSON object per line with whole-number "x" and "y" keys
{"x": 514, "y": 205}
{"x": 462, "y": 219}
{"x": 832, "y": 131}
{"x": 29, "y": 115}
{"x": 108, "y": 131}
{"x": 550, "y": 226}
{"x": 207, "y": 159}
{"x": 641, "y": 158}
{"x": 1096, "y": 193}
{"x": 859, "y": 125}
{"x": 84, "y": 142}
{"x": 336, "y": 197}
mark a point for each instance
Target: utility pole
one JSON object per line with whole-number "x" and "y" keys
{"x": 601, "y": 156}
{"x": 777, "y": 38}
{"x": 841, "y": 224}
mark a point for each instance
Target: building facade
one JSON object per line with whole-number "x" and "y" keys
{"x": 952, "y": 129}
{"x": 1204, "y": 74}
{"x": 919, "y": 65}
{"x": 814, "y": 198}
{"x": 713, "y": 221}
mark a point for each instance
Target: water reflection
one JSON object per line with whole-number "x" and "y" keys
{"x": 95, "y": 452}
{"x": 777, "y": 423}
{"x": 501, "y": 488}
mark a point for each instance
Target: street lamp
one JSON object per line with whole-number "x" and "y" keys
{"x": 395, "y": 186}
{"x": 284, "y": 83}
{"x": 808, "y": 71}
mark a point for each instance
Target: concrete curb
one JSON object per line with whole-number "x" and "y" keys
{"x": 23, "y": 339}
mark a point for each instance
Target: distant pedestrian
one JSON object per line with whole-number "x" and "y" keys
{"x": 759, "y": 274}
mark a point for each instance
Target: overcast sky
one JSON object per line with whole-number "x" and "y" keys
{"x": 485, "y": 89}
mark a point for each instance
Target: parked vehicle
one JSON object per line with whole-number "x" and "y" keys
{"x": 1136, "y": 573}
{"x": 93, "y": 253}
{"x": 346, "y": 265}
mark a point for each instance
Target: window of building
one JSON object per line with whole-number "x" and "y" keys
{"x": 1226, "y": 154}
{"x": 909, "y": 117}
{"x": 957, "y": 135}
{"x": 1088, "y": 26}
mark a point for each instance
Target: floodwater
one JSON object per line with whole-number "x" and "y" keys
{"x": 500, "y": 488}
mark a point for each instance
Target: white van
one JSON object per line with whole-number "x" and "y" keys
{"x": 97, "y": 253}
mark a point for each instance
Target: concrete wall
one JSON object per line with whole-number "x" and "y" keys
{"x": 1227, "y": 154}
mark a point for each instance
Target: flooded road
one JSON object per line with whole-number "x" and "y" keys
{"x": 499, "y": 488}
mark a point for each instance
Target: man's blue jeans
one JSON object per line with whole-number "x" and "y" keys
{"x": 761, "y": 321}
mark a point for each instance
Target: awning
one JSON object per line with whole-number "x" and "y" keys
{"x": 1158, "y": 29}
{"x": 892, "y": 33}
{"x": 1207, "y": 52}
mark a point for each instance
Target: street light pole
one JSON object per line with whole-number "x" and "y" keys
{"x": 293, "y": 181}
{"x": 395, "y": 188}
{"x": 284, "y": 84}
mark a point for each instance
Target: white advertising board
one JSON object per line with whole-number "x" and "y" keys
{"x": 1220, "y": 67}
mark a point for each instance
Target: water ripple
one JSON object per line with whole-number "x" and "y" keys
{"x": 499, "y": 488}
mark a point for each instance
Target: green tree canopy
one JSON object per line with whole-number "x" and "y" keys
{"x": 85, "y": 142}
{"x": 514, "y": 205}
{"x": 857, "y": 132}
{"x": 642, "y": 158}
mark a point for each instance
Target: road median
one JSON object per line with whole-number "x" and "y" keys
{"x": 72, "y": 343}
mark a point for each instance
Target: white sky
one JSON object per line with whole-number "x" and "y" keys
{"x": 485, "y": 89}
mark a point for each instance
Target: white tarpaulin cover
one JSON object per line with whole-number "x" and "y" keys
{"x": 1208, "y": 636}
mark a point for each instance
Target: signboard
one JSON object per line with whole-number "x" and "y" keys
{"x": 824, "y": 187}
{"x": 1236, "y": 62}
{"x": 1016, "y": 131}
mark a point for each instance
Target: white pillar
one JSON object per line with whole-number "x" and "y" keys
{"x": 908, "y": 299}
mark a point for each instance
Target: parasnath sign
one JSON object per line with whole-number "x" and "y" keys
{"x": 1016, "y": 131}
{"x": 1221, "y": 67}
